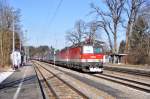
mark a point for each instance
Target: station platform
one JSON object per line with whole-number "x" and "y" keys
{"x": 20, "y": 84}
{"x": 138, "y": 67}
{"x": 127, "y": 67}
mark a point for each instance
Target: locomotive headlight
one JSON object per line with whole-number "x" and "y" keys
{"x": 93, "y": 56}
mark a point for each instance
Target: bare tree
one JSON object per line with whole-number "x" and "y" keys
{"x": 77, "y": 34}
{"x": 8, "y": 15}
{"x": 132, "y": 8}
{"x": 91, "y": 29}
{"x": 71, "y": 37}
{"x": 146, "y": 15}
{"x": 110, "y": 20}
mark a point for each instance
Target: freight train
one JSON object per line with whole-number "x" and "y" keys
{"x": 83, "y": 56}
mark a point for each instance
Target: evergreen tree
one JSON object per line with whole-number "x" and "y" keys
{"x": 139, "y": 46}
{"x": 122, "y": 46}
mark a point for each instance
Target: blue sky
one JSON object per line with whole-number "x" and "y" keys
{"x": 37, "y": 14}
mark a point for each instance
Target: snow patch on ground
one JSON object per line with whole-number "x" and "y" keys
{"x": 4, "y": 75}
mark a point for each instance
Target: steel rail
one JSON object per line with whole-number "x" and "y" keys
{"x": 123, "y": 83}
{"x": 132, "y": 81}
{"x": 128, "y": 71}
{"x": 40, "y": 84}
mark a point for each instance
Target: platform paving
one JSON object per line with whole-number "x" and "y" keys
{"x": 21, "y": 84}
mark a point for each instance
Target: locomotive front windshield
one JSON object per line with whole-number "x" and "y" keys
{"x": 91, "y": 50}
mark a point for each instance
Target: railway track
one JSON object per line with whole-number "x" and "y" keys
{"x": 49, "y": 92}
{"x": 124, "y": 89}
{"x": 55, "y": 86}
{"x": 126, "y": 82}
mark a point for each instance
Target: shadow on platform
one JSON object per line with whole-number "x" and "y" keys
{"x": 14, "y": 84}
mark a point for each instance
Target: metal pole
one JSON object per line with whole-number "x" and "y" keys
{"x": 55, "y": 53}
{"x": 13, "y": 35}
{"x": 26, "y": 49}
{"x": 20, "y": 45}
{"x": 54, "y": 57}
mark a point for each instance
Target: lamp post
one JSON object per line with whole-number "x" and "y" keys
{"x": 20, "y": 45}
{"x": 13, "y": 27}
{"x": 26, "y": 48}
{"x": 54, "y": 56}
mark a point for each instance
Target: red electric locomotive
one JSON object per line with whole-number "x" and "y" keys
{"x": 87, "y": 57}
